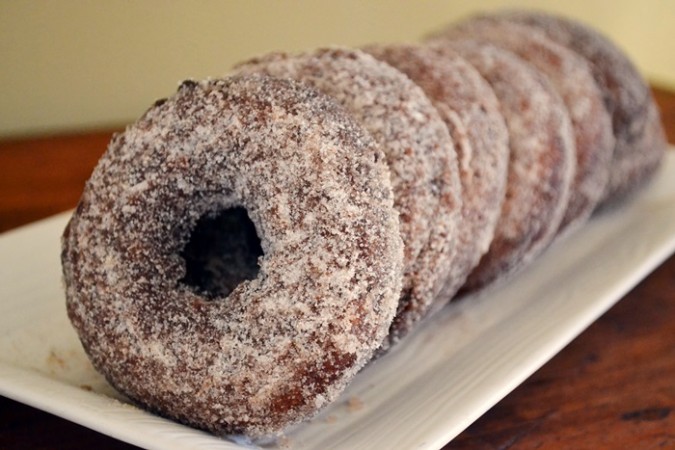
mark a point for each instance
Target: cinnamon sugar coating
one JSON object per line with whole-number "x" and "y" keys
{"x": 418, "y": 149}
{"x": 541, "y": 164}
{"x": 281, "y": 345}
{"x": 640, "y": 138}
{"x": 470, "y": 109}
{"x": 572, "y": 78}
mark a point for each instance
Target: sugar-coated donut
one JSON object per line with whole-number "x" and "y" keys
{"x": 283, "y": 343}
{"x": 541, "y": 165}
{"x": 640, "y": 138}
{"x": 470, "y": 109}
{"x": 418, "y": 149}
{"x": 572, "y": 78}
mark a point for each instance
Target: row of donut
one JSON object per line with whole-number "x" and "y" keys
{"x": 380, "y": 181}
{"x": 547, "y": 121}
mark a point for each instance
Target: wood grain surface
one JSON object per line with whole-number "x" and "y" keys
{"x": 612, "y": 387}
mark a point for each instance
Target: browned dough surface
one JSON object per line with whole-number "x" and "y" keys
{"x": 541, "y": 161}
{"x": 418, "y": 149}
{"x": 281, "y": 345}
{"x": 470, "y": 109}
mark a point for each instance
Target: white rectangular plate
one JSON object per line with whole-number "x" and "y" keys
{"x": 420, "y": 396}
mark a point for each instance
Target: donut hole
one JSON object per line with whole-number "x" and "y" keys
{"x": 222, "y": 251}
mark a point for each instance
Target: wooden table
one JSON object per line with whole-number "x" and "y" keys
{"x": 612, "y": 387}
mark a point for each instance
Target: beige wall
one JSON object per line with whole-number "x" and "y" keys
{"x": 73, "y": 64}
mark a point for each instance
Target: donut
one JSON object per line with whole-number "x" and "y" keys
{"x": 258, "y": 152}
{"x": 636, "y": 123}
{"x": 418, "y": 149}
{"x": 470, "y": 109}
{"x": 541, "y": 162}
{"x": 572, "y": 78}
